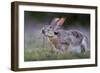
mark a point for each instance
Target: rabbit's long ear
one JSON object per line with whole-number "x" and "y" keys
{"x": 61, "y": 21}
{"x": 54, "y": 21}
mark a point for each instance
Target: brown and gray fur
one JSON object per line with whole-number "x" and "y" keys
{"x": 65, "y": 40}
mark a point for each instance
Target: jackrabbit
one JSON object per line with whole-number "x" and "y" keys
{"x": 70, "y": 40}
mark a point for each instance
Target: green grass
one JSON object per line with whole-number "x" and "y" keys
{"x": 38, "y": 49}
{"x": 39, "y": 54}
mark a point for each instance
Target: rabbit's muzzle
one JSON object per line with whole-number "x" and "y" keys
{"x": 48, "y": 32}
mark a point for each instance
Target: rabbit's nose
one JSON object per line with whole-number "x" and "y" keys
{"x": 43, "y": 31}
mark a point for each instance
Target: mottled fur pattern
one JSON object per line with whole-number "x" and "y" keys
{"x": 65, "y": 40}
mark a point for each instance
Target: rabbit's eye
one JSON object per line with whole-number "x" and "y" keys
{"x": 56, "y": 33}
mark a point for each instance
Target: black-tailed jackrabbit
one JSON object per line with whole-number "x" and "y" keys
{"x": 70, "y": 40}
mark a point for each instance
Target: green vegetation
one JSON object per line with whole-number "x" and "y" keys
{"x": 49, "y": 54}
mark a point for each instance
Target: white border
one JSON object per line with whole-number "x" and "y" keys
{"x": 23, "y": 64}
